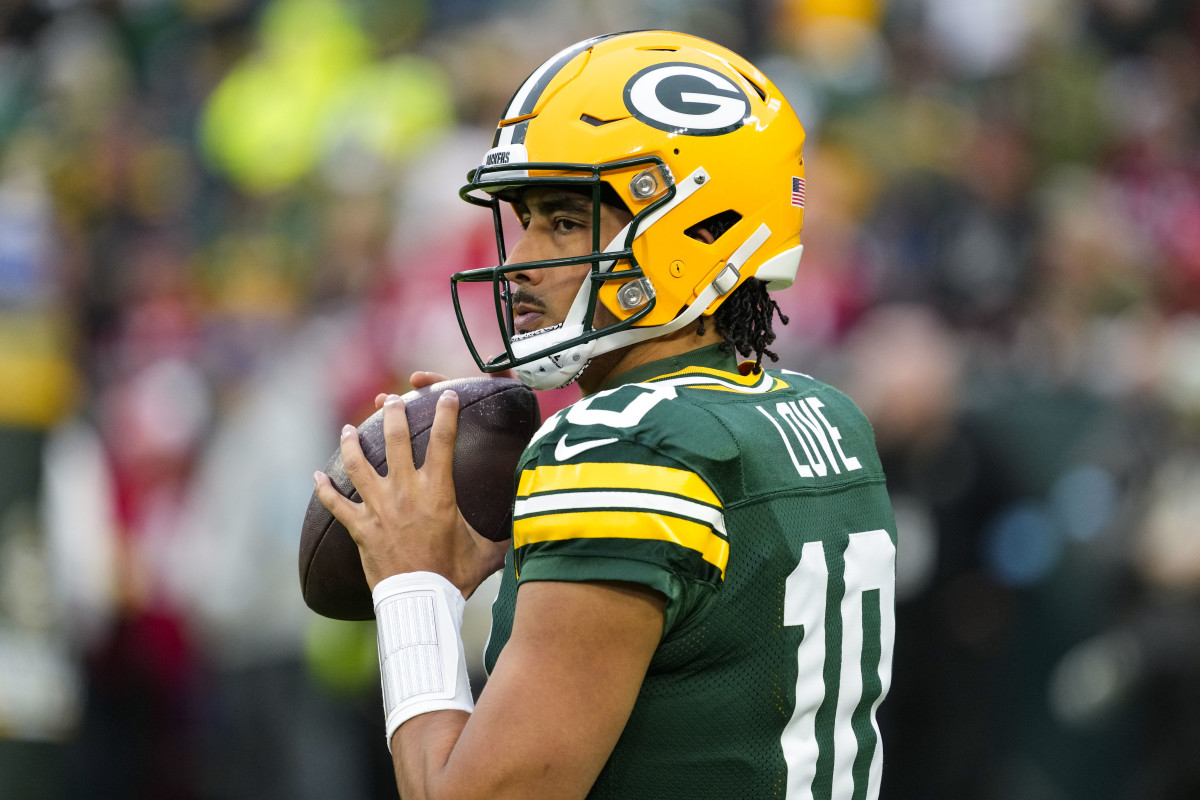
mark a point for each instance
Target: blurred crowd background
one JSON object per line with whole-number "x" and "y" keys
{"x": 226, "y": 224}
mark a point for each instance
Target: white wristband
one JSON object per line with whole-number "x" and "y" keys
{"x": 422, "y": 665}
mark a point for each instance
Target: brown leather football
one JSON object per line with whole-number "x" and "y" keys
{"x": 497, "y": 417}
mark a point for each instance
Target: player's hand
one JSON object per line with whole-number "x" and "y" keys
{"x": 408, "y": 520}
{"x": 418, "y": 380}
{"x": 423, "y": 378}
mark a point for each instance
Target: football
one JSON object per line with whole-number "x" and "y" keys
{"x": 497, "y": 417}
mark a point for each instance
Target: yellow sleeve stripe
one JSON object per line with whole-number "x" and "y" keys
{"x": 653, "y": 502}
{"x": 609, "y": 524}
{"x": 643, "y": 477}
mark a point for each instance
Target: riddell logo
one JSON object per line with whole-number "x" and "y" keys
{"x": 496, "y": 158}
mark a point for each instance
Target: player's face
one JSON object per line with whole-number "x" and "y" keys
{"x": 558, "y": 224}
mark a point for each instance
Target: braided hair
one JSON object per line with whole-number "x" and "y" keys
{"x": 746, "y": 318}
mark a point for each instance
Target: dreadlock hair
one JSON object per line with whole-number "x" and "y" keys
{"x": 746, "y": 319}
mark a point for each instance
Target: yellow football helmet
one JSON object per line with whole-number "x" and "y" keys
{"x": 681, "y": 130}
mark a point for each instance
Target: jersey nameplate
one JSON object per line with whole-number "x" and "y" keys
{"x": 819, "y": 440}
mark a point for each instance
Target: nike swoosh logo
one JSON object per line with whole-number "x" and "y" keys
{"x": 564, "y": 451}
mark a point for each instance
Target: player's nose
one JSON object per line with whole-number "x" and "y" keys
{"x": 525, "y": 251}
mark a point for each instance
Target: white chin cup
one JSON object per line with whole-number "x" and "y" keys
{"x": 557, "y": 369}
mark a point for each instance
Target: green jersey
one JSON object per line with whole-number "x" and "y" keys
{"x": 756, "y": 504}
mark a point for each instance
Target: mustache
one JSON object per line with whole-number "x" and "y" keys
{"x": 522, "y": 297}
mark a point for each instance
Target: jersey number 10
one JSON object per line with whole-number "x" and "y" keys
{"x": 831, "y": 744}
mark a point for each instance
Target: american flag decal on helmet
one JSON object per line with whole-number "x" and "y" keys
{"x": 798, "y": 192}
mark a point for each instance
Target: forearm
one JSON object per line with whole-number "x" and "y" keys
{"x": 502, "y": 751}
{"x": 426, "y": 692}
{"x": 552, "y": 710}
{"x": 421, "y": 754}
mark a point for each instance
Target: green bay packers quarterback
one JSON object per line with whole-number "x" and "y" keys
{"x": 697, "y": 601}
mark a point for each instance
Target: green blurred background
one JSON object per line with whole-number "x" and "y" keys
{"x": 226, "y": 224}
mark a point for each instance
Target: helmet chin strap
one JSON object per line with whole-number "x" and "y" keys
{"x": 628, "y": 336}
{"x": 564, "y": 366}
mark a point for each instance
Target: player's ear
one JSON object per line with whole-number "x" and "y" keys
{"x": 702, "y": 233}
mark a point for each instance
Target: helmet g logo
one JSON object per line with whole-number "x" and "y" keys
{"x": 686, "y": 99}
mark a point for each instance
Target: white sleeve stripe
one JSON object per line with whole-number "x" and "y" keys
{"x": 623, "y": 501}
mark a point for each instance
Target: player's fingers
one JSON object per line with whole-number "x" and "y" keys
{"x": 439, "y": 454}
{"x": 358, "y": 468}
{"x": 396, "y": 437}
{"x": 342, "y": 508}
{"x": 422, "y": 378}
{"x": 380, "y": 399}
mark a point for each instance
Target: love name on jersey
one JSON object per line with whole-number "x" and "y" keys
{"x": 820, "y": 442}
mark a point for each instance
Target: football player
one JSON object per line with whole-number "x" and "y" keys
{"x": 697, "y": 600}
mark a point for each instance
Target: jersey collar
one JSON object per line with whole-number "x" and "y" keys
{"x": 710, "y": 356}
